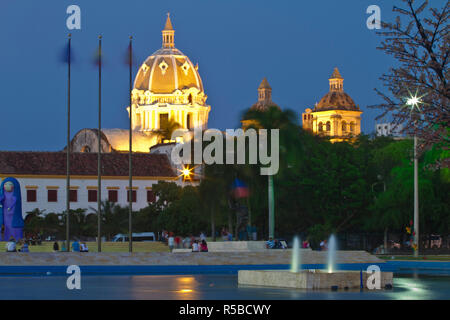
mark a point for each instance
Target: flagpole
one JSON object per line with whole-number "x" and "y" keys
{"x": 130, "y": 172}
{"x": 99, "y": 174}
{"x": 68, "y": 146}
{"x": 271, "y": 208}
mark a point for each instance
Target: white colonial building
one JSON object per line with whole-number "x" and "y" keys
{"x": 42, "y": 178}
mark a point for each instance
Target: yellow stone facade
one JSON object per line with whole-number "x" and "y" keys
{"x": 336, "y": 115}
{"x": 168, "y": 87}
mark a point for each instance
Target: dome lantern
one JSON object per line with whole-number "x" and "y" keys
{"x": 168, "y": 34}
{"x": 264, "y": 91}
{"x": 336, "y": 81}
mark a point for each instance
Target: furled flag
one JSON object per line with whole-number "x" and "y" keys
{"x": 129, "y": 54}
{"x": 67, "y": 54}
{"x": 97, "y": 58}
{"x": 240, "y": 189}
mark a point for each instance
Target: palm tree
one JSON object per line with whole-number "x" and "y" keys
{"x": 289, "y": 132}
{"x": 114, "y": 219}
{"x": 166, "y": 129}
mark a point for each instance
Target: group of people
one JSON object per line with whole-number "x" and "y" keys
{"x": 76, "y": 247}
{"x": 226, "y": 235}
{"x": 323, "y": 245}
{"x": 188, "y": 242}
{"x": 11, "y": 245}
{"x": 275, "y": 244}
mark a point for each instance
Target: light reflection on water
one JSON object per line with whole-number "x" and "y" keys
{"x": 203, "y": 287}
{"x": 178, "y": 287}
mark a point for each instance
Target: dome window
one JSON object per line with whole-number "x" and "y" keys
{"x": 185, "y": 67}
{"x": 144, "y": 68}
{"x": 163, "y": 66}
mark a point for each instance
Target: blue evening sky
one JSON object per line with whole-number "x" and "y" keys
{"x": 295, "y": 44}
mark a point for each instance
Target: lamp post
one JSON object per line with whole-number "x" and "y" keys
{"x": 416, "y": 200}
{"x": 413, "y": 102}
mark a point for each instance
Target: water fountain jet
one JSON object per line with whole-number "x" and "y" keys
{"x": 315, "y": 278}
{"x": 331, "y": 256}
{"x": 295, "y": 260}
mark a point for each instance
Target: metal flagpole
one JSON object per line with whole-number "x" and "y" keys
{"x": 130, "y": 191}
{"x": 416, "y": 199}
{"x": 271, "y": 208}
{"x": 99, "y": 188}
{"x": 68, "y": 146}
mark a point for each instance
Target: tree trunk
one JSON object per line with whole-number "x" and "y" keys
{"x": 230, "y": 221}
{"x": 213, "y": 225}
{"x": 385, "y": 240}
{"x": 236, "y": 227}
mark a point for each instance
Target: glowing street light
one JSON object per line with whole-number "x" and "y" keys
{"x": 413, "y": 102}
{"x": 186, "y": 173}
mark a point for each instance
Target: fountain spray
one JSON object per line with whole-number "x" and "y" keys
{"x": 295, "y": 261}
{"x": 332, "y": 247}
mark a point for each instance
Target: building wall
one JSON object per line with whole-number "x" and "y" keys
{"x": 42, "y": 184}
{"x": 311, "y": 121}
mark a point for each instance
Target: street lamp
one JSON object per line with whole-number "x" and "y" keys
{"x": 413, "y": 102}
{"x": 186, "y": 173}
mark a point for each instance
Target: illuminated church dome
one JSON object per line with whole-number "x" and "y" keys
{"x": 336, "y": 115}
{"x": 336, "y": 98}
{"x": 168, "y": 87}
{"x": 168, "y": 69}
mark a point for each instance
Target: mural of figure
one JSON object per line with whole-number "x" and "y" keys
{"x": 11, "y": 213}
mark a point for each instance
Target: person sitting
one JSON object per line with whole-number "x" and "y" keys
{"x": 24, "y": 248}
{"x": 63, "y": 247}
{"x": 270, "y": 244}
{"x": 76, "y": 246}
{"x": 186, "y": 242}
{"x": 195, "y": 246}
{"x": 84, "y": 247}
{"x": 305, "y": 244}
{"x": 224, "y": 234}
{"x": 322, "y": 246}
{"x": 203, "y": 246}
{"x": 277, "y": 244}
{"x": 11, "y": 245}
{"x": 55, "y": 247}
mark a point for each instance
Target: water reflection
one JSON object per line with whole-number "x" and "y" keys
{"x": 164, "y": 287}
{"x": 203, "y": 287}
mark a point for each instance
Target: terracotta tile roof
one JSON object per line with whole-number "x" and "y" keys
{"x": 113, "y": 164}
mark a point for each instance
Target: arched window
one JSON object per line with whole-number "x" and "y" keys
{"x": 86, "y": 149}
{"x": 328, "y": 126}
{"x": 320, "y": 126}
{"x": 352, "y": 126}
{"x": 344, "y": 126}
